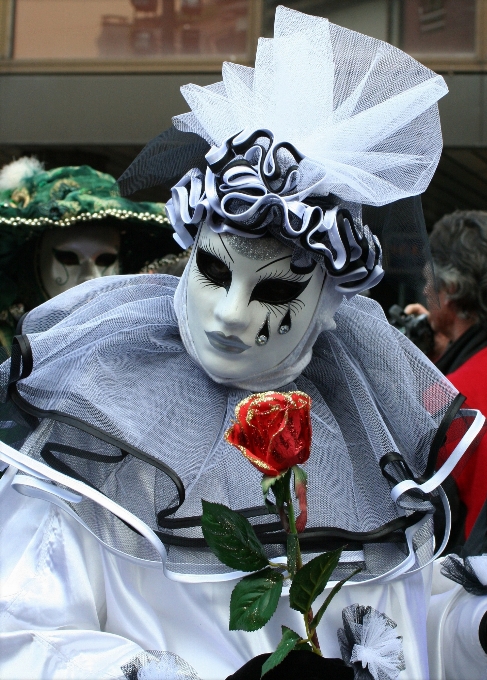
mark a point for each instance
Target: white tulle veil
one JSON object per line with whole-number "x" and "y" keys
{"x": 362, "y": 112}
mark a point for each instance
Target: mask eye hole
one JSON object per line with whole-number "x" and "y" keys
{"x": 213, "y": 269}
{"x": 66, "y": 257}
{"x": 278, "y": 291}
{"x": 106, "y": 259}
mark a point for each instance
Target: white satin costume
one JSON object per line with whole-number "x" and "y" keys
{"x": 80, "y": 598}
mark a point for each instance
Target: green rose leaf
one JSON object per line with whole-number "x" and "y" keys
{"x": 314, "y": 623}
{"x": 232, "y": 538}
{"x": 311, "y": 580}
{"x": 288, "y": 642}
{"x": 279, "y": 486}
{"x": 254, "y": 600}
{"x": 281, "y": 489}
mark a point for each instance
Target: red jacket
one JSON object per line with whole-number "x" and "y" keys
{"x": 471, "y": 380}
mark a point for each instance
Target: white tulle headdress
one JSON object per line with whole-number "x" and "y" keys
{"x": 328, "y": 120}
{"x": 362, "y": 112}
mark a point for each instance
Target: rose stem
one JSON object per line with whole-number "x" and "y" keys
{"x": 292, "y": 528}
{"x": 299, "y": 563}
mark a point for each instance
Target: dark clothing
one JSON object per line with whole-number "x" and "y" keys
{"x": 296, "y": 665}
{"x": 468, "y": 344}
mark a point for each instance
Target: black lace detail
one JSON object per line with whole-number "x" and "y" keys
{"x": 463, "y": 572}
{"x": 369, "y": 645}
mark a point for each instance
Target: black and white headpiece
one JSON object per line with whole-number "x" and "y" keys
{"x": 250, "y": 189}
{"x": 327, "y": 121}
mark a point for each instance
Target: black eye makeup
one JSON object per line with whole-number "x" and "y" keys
{"x": 270, "y": 290}
{"x": 66, "y": 257}
{"x": 106, "y": 259}
{"x": 276, "y": 291}
{"x": 213, "y": 269}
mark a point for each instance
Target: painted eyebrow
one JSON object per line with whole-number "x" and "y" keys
{"x": 223, "y": 244}
{"x": 209, "y": 248}
{"x": 273, "y": 262}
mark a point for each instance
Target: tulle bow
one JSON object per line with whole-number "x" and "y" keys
{"x": 369, "y": 644}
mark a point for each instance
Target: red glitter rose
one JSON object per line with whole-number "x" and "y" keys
{"x": 273, "y": 430}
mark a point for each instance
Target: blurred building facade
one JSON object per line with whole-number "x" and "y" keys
{"x": 91, "y": 81}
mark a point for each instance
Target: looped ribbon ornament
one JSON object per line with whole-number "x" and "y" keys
{"x": 251, "y": 189}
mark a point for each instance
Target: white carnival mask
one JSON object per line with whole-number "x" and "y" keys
{"x": 80, "y": 253}
{"x": 247, "y": 311}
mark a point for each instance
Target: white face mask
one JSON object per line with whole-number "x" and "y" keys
{"x": 247, "y": 311}
{"x": 80, "y": 253}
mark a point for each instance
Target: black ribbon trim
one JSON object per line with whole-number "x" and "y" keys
{"x": 240, "y": 148}
{"x": 20, "y": 323}
{"x": 217, "y": 166}
{"x": 88, "y": 455}
{"x": 440, "y": 436}
{"x": 57, "y": 416}
{"x": 436, "y": 444}
{"x": 483, "y": 632}
{"x": 195, "y": 520}
{"x": 22, "y": 361}
{"x": 257, "y": 225}
{"x": 48, "y": 456}
{"x": 362, "y": 242}
{"x": 394, "y": 457}
{"x": 59, "y": 465}
{"x": 315, "y": 539}
{"x": 271, "y": 214}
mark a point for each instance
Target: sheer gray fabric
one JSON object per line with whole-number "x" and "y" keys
{"x": 108, "y": 354}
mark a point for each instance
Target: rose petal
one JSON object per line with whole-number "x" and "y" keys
{"x": 273, "y": 430}
{"x": 301, "y": 491}
{"x": 262, "y": 466}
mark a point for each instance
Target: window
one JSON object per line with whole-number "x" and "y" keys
{"x": 133, "y": 34}
{"x": 446, "y": 35}
{"x": 443, "y": 30}
{"x": 198, "y": 35}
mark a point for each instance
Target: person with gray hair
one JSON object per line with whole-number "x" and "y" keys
{"x": 457, "y": 311}
{"x": 459, "y": 249}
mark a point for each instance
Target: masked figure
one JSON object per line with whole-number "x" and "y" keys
{"x": 119, "y": 392}
{"x": 62, "y": 227}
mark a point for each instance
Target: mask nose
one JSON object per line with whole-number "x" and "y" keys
{"x": 232, "y": 310}
{"x": 88, "y": 271}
